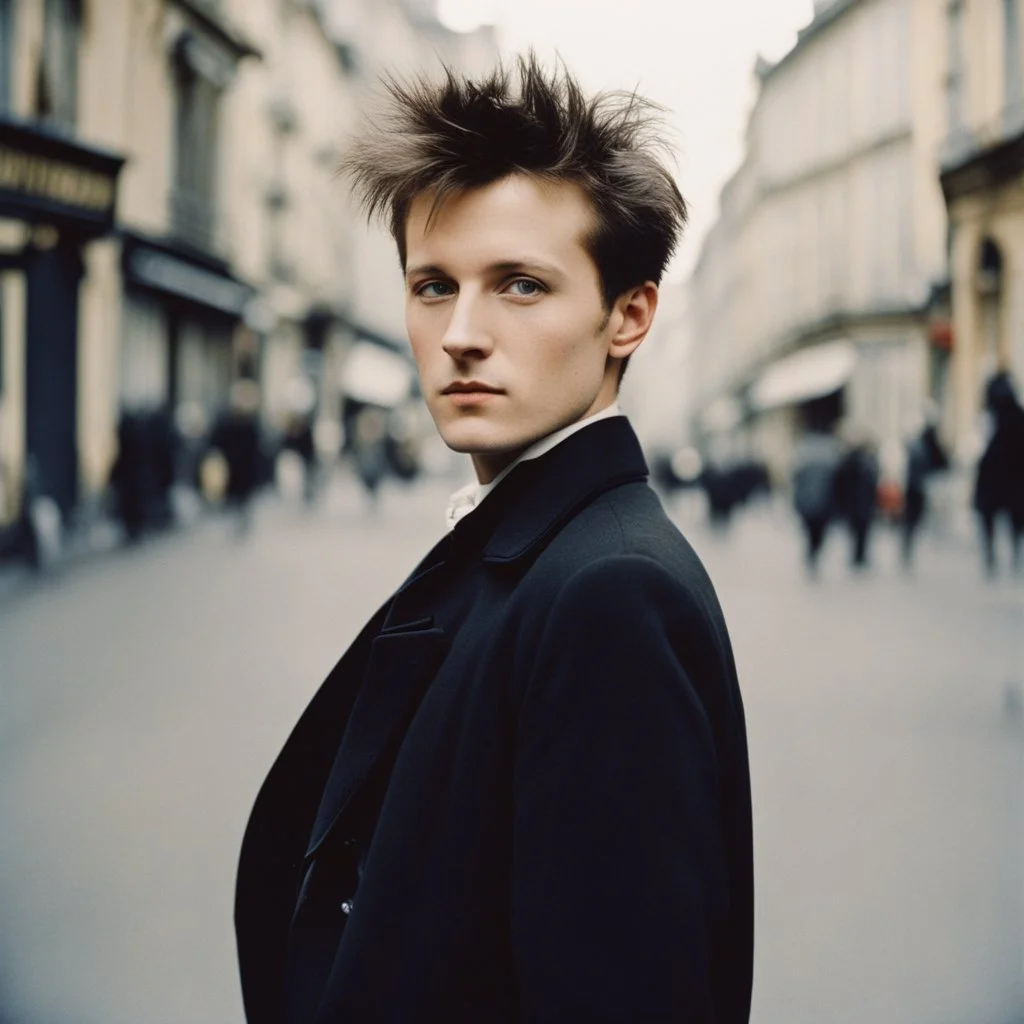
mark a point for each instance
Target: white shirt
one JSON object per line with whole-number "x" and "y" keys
{"x": 467, "y": 498}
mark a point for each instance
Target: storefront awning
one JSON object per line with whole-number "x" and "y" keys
{"x": 376, "y": 375}
{"x": 805, "y": 375}
{"x": 157, "y": 266}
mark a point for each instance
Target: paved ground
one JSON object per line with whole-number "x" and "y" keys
{"x": 144, "y": 694}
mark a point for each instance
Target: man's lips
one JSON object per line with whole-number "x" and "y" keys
{"x": 470, "y": 387}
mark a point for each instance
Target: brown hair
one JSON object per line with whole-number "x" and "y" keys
{"x": 458, "y": 133}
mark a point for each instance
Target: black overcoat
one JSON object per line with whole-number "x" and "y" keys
{"x": 523, "y": 793}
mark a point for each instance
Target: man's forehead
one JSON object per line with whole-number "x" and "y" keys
{"x": 514, "y": 219}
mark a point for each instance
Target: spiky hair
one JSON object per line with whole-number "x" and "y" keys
{"x": 457, "y": 133}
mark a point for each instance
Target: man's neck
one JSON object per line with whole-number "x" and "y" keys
{"x": 491, "y": 469}
{"x": 467, "y": 498}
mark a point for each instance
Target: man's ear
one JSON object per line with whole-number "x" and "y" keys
{"x": 633, "y": 313}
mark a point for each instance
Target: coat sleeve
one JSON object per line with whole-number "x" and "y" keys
{"x": 618, "y": 877}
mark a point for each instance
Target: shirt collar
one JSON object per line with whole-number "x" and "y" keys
{"x": 467, "y": 498}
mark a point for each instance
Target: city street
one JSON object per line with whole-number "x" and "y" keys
{"x": 144, "y": 693}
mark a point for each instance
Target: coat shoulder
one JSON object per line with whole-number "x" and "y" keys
{"x": 623, "y": 546}
{"x": 617, "y": 575}
{"x": 625, "y": 533}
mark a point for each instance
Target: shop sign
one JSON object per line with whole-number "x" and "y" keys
{"x": 46, "y": 178}
{"x": 36, "y": 176}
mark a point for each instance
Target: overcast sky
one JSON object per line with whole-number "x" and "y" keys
{"x": 695, "y": 57}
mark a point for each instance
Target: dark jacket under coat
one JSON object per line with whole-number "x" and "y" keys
{"x": 523, "y": 793}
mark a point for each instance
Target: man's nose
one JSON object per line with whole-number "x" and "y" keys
{"x": 467, "y": 335}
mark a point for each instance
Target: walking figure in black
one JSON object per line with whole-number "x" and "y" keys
{"x": 236, "y": 435}
{"x": 856, "y": 497}
{"x": 815, "y": 462}
{"x": 925, "y": 457}
{"x": 999, "y": 486}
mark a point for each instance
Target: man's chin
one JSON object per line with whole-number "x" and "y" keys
{"x": 471, "y": 448}
{"x": 469, "y": 442}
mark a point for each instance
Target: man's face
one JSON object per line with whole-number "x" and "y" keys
{"x": 506, "y": 318}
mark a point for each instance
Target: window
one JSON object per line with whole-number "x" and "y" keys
{"x": 955, "y": 75}
{"x": 57, "y": 92}
{"x": 199, "y": 81}
{"x": 1013, "y": 87}
{"x": 6, "y": 53}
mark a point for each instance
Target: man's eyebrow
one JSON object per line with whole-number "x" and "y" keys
{"x": 527, "y": 264}
{"x": 501, "y": 266}
{"x": 425, "y": 268}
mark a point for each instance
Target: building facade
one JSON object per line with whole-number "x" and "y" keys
{"x": 171, "y": 220}
{"x": 58, "y": 197}
{"x": 417, "y": 44}
{"x": 145, "y": 313}
{"x": 982, "y": 161}
{"x": 815, "y": 295}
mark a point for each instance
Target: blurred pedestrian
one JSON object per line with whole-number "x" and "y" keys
{"x": 523, "y": 793}
{"x": 143, "y": 471}
{"x": 815, "y": 460}
{"x": 402, "y": 445}
{"x": 165, "y": 444}
{"x": 369, "y": 449}
{"x": 128, "y": 475}
{"x": 236, "y": 435}
{"x": 925, "y": 456}
{"x": 40, "y": 534}
{"x": 999, "y": 486}
{"x": 856, "y": 496}
{"x": 300, "y": 440}
{"x": 720, "y": 493}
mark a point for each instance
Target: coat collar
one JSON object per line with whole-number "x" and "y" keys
{"x": 539, "y": 495}
{"x": 529, "y": 505}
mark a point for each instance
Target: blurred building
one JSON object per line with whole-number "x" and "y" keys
{"x": 983, "y": 181}
{"x": 656, "y": 388}
{"x": 59, "y": 187}
{"x": 284, "y": 125}
{"x": 387, "y": 36}
{"x": 817, "y": 291}
{"x": 171, "y": 221}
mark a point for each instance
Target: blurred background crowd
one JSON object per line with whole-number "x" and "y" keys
{"x": 176, "y": 256}
{"x": 196, "y": 323}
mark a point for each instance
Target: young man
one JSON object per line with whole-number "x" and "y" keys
{"x": 523, "y": 793}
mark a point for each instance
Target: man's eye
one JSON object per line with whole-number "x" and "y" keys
{"x": 525, "y": 287}
{"x": 434, "y": 290}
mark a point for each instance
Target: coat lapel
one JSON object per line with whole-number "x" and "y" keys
{"x": 403, "y": 660}
{"x": 531, "y": 505}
